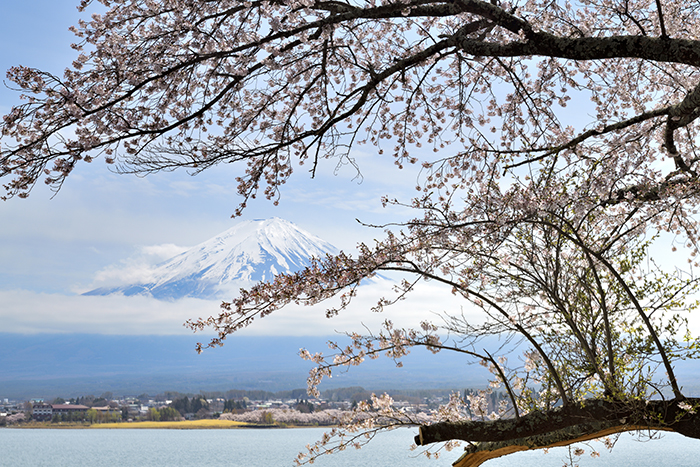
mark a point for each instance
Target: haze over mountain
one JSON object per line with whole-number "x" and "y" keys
{"x": 251, "y": 251}
{"x": 69, "y": 365}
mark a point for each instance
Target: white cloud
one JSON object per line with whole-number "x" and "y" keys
{"x": 30, "y": 312}
{"x": 127, "y": 272}
{"x": 164, "y": 251}
{"x": 137, "y": 269}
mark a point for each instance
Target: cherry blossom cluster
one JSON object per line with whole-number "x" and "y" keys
{"x": 287, "y": 417}
{"x": 158, "y": 85}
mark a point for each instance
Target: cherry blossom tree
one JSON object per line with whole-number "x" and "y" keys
{"x": 541, "y": 217}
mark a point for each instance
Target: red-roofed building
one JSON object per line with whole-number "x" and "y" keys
{"x": 45, "y": 412}
{"x": 62, "y": 409}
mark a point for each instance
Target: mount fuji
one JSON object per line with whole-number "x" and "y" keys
{"x": 251, "y": 251}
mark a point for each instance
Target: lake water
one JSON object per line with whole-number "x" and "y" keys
{"x": 277, "y": 448}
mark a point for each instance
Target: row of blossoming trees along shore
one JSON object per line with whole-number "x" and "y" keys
{"x": 545, "y": 222}
{"x": 337, "y": 404}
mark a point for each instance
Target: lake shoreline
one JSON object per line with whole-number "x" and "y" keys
{"x": 206, "y": 424}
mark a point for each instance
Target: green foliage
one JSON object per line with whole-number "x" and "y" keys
{"x": 268, "y": 419}
{"x": 169, "y": 414}
{"x": 153, "y": 415}
{"x": 234, "y": 405}
{"x": 185, "y": 405}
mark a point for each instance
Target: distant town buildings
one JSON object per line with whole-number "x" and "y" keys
{"x": 234, "y": 403}
{"x": 44, "y": 412}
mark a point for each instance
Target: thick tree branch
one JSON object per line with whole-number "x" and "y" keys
{"x": 682, "y": 51}
{"x": 477, "y": 454}
{"x": 663, "y": 415}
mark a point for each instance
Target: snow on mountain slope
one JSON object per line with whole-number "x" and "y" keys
{"x": 251, "y": 251}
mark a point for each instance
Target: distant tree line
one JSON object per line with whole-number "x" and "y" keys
{"x": 332, "y": 395}
{"x": 190, "y": 406}
{"x": 237, "y": 402}
{"x": 304, "y": 406}
{"x": 232, "y": 405}
{"x": 164, "y": 414}
{"x": 98, "y": 416}
{"x": 90, "y": 401}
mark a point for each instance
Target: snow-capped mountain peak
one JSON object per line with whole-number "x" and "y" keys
{"x": 251, "y": 251}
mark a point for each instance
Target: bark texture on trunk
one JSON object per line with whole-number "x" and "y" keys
{"x": 477, "y": 454}
{"x": 582, "y": 421}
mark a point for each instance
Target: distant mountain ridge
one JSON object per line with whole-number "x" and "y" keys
{"x": 251, "y": 251}
{"x": 70, "y": 365}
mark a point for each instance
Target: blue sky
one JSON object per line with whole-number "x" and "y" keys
{"x": 54, "y": 247}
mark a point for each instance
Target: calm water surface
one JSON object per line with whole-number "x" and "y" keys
{"x": 277, "y": 448}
